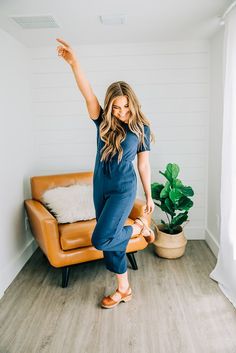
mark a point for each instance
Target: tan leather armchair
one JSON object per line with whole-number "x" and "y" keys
{"x": 70, "y": 243}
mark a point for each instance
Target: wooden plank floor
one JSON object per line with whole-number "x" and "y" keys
{"x": 176, "y": 307}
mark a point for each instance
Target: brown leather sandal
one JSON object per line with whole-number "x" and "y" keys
{"x": 149, "y": 238}
{"x": 108, "y": 302}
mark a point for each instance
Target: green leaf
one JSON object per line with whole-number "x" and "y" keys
{"x": 163, "y": 174}
{"x": 156, "y": 190}
{"x": 187, "y": 190}
{"x": 165, "y": 191}
{"x": 185, "y": 203}
{"x": 172, "y": 170}
{"x": 175, "y": 195}
{"x": 177, "y": 183}
{"x": 179, "y": 219}
{"x": 168, "y": 172}
{"x": 170, "y": 206}
{"x": 164, "y": 208}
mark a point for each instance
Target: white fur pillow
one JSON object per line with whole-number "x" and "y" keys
{"x": 71, "y": 203}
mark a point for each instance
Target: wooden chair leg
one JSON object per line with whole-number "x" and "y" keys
{"x": 65, "y": 276}
{"x": 132, "y": 260}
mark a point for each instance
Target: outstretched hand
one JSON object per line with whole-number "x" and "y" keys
{"x": 66, "y": 52}
{"x": 149, "y": 205}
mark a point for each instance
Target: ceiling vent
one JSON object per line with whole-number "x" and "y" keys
{"x": 35, "y": 22}
{"x": 113, "y": 19}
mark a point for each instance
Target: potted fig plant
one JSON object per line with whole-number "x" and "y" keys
{"x": 173, "y": 198}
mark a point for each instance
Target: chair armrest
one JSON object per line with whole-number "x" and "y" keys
{"x": 138, "y": 210}
{"x": 44, "y": 227}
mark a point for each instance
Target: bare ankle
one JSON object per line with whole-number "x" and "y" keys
{"x": 123, "y": 288}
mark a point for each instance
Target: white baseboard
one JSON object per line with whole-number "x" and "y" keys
{"x": 212, "y": 242}
{"x": 8, "y": 273}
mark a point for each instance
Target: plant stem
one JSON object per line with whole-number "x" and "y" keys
{"x": 167, "y": 217}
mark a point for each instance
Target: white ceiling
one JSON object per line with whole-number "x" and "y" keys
{"x": 147, "y": 20}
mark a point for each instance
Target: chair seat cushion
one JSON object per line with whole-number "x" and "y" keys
{"x": 79, "y": 234}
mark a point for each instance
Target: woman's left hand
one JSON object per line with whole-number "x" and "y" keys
{"x": 149, "y": 205}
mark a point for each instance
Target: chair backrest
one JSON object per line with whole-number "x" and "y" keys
{"x": 39, "y": 184}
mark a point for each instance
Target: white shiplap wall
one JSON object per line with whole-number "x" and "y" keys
{"x": 171, "y": 80}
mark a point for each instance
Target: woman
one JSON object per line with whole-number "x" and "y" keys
{"x": 122, "y": 132}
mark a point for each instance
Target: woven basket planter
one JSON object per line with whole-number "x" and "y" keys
{"x": 169, "y": 246}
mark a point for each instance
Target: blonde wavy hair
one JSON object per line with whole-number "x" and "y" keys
{"x": 112, "y": 131}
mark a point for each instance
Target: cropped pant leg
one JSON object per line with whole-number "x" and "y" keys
{"x": 110, "y": 235}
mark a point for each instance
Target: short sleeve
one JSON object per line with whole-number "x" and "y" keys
{"x": 142, "y": 148}
{"x": 98, "y": 120}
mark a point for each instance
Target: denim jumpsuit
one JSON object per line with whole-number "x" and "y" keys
{"x": 114, "y": 193}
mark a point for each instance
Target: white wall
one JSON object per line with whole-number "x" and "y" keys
{"x": 171, "y": 80}
{"x": 17, "y": 155}
{"x": 215, "y": 141}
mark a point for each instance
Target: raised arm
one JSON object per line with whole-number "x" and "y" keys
{"x": 67, "y": 53}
